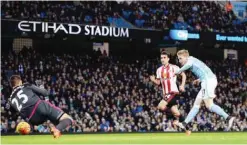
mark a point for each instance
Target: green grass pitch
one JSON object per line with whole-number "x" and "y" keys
{"x": 133, "y": 138}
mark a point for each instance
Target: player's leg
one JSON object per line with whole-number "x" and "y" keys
{"x": 162, "y": 105}
{"x": 177, "y": 115}
{"x": 175, "y": 111}
{"x": 173, "y": 105}
{"x": 57, "y": 116}
{"x": 64, "y": 121}
{"x": 195, "y": 109}
{"x": 193, "y": 112}
{"x": 208, "y": 100}
{"x": 215, "y": 108}
{"x": 36, "y": 117}
{"x": 218, "y": 110}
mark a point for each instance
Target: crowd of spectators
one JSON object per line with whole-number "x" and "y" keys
{"x": 106, "y": 94}
{"x": 59, "y": 11}
{"x": 193, "y": 15}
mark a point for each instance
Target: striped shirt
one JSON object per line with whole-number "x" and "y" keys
{"x": 168, "y": 78}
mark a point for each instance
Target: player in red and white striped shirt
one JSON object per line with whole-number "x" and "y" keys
{"x": 166, "y": 76}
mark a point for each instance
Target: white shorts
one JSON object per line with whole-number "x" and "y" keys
{"x": 208, "y": 87}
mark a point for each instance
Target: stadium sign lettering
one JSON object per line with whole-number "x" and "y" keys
{"x": 220, "y": 37}
{"x": 45, "y": 27}
{"x": 106, "y": 31}
{"x": 183, "y": 35}
{"x": 32, "y": 26}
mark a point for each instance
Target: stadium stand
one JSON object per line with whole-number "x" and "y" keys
{"x": 114, "y": 94}
{"x": 195, "y": 16}
{"x": 81, "y": 12}
{"x": 106, "y": 94}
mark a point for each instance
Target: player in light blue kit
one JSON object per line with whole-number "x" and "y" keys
{"x": 207, "y": 93}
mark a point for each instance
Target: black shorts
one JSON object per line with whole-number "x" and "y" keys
{"x": 43, "y": 111}
{"x": 171, "y": 101}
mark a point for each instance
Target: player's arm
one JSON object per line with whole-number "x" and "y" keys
{"x": 9, "y": 106}
{"x": 183, "y": 75}
{"x": 157, "y": 79}
{"x": 196, "y": 82}
{"x": 38, "y": 90}
{"x": 153, "y": 79}
{"x": 185, "y": 67}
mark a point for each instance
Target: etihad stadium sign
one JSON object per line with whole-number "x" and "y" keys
{"x": 74, "y": 29}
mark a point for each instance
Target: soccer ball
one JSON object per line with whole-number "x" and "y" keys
{"x": 23, "y": 128}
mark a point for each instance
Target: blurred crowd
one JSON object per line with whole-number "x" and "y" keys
{"x": 107, "y": 94}
{"x": 191, "y": 15}
{"x": 59, "y": 11}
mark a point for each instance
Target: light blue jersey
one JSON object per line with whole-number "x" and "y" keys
{"x": 200, "y": 69}
{"x": 207, "y": 91}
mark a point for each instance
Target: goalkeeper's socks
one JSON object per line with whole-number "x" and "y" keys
{"x": 63, "y": 124}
